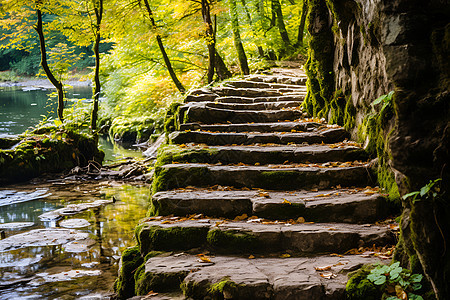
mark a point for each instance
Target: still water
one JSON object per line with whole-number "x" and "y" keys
{"x": 36, "y": 271}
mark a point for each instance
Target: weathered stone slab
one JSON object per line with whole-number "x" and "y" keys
{"x": 16, "y": 225}
{"x": 342, "y": 205}
{"x": 254, "y": 127}
{"x": 72, "y": 209}
{"x": 277, "y": 79}
{"x": 247, "y": 92}
{"x": 259, "y": 236}
{"x": 263, "y": 155}
{"x": 199, "y": 112}
{"x": 9, "y": 197}
{"x": 259, "y": 278}
{"x": 263, "y": 85}
{"x": 333, "y": 135}
{"x": 252, "y": 106}
{"x": 300, "y": 96}
{"x": 267, "y": 177}
{"x": 74, "y": 223}
{"x": 42, "y": 237}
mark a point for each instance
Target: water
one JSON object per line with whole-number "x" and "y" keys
{"x": 52, "y": 272}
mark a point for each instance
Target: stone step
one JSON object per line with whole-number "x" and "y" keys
{"x": 328, "y": 135}
{"x": 254, "y": 92}
{"x": 227, "y": 277}
{"x": 199, "y": 112}
{"x": 338, "y": 205}
{"x": 274, "y": 177}
{"x": 253, "y": 127}
{"x": 262, "y": 85}
{"x": 297, "y": 97}
{"x": 257, "y": 237}
{"x": 247, "y": 106}
{"x": 263, "y": 155}
{"x": 277, "y": 79}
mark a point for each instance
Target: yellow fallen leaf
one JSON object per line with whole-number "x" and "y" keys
{"x": 241, "y": 217}
{"x": 301, "y": 220}
{"x": 251, "y": 257}
{"x": 285, "y": 255}
{"x": 286, "y": 201}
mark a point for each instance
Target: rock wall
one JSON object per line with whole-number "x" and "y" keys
{"x": 363, "y": 49}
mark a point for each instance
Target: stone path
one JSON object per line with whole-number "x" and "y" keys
{"x": 254, "y": 200}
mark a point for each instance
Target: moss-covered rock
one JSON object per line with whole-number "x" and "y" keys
{"x": 126, "y": 130}
{"x": 172, "y": 118}
{"x": 124, "y": 285}
{"x": 167, "y": 239}
{"x": 47, "y": 150}
{"x": 234, "y": 241}
{"x": 360, "y": 288}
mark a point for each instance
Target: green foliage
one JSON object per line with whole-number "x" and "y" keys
{"x": 428, "y": 191}
{"x": 395, "y": 281}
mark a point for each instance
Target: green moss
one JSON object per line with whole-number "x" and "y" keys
{"x": 319, "y": 66}
{"x": 279, "y": 179}
{"x": 124, "y": 285}
{"x": 224, "y": 289}
{"x": 234, "y": 241}
{"x": 131, "y": 130}
{"x": 139, "y": 275}
{"x": 171, "y": 238}
{"x": 171, "y": 120}
{"x": 159, "y": 282}
{"x": 170, "y": 178}
{"x": 47, "y": 150}
{"x": 359, "y": 287}
{"x": 174, "y": 153}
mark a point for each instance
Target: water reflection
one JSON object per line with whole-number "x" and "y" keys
{"x": 111, "y": 226}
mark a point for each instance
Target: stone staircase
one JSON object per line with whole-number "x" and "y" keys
{"x": 253, "y": 200}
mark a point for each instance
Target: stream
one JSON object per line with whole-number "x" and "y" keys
{"x": 53, "y": 245}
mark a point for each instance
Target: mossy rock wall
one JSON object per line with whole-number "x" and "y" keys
{"x": 47, "y": 150}
{"x": 377, "y": 47}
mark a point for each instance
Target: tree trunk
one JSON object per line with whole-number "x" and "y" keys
{"x": 237, "y": 38}
{"x": 210, "y": 38}
{"x": 280, "y": 23}
{"x": 98, "y": 9}
{"x": 167, "y": 62}
{"x": 55, "y": 82}
{"x": 301, "y": 27}
{"x": 221, "y": 69}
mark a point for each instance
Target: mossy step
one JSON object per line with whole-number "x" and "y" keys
{"x": 228, "y": 277}
{"x": 254, "y": 92}
{"x": 253, "y": 127}
{"x": 276, "y": 177}
{"x": 249, "y": 106}
{"x": 263, "y": 155}
{"x": 262, "y": 85}
{"x": 328, "y": 135}
{"x": 258, "y": 237}
{"x": 338, "y": 205}
{"x": 199, "y": 112}
{"x": 276, "y": 79}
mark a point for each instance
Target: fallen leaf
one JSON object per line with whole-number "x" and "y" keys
{"x": 286, "y": 201}
{"x": 204, "y": 259}
{"x": 324, "y": 268}
{"x": 241, "y": 217}
{"x": 328, "y": 275}
{"x": 251, "y": 257}
{"x": 301, "y": 220}
{"x": 285, "y": 255}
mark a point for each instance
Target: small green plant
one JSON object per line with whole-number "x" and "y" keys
{"x": 385, "y": 99}
{"x": 431, "y": 189}
{"x": 396, "y": 282}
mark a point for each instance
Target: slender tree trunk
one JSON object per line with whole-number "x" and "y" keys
{"x": 237, "y": 38}
{"x": 167, "y": 62}
{"x": 221, "y": 69}
{"x": 55, "y": 82}
{"x": 301, "y": 27}
{"x": 255, "y": 34}
{"x": 98, "y": 9}
{"x": 210, "y": 38}
{"x": 273, "y": 18}
{"x": 280, "y": 23}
